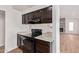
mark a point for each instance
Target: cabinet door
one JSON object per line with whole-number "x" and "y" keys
{"x": 49, "y": 14}
{"x": 30, "y": 16}
{"x": 37, "y": 16}
{"x": 26, "y": 44}
{"x": 25, "y": 19}
{"x": 46, "y": 15}
{"x": 37, "y": 13}
{"x": 42, "y": 46}
{"x": 34, "y": 17}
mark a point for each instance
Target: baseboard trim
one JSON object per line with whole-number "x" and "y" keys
{"x": 1, "y": 45}
{"x": 69, "y": 33}
{"x": 10, "y": 50}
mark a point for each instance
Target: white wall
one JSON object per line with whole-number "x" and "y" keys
{"x": 55, "y": 31}
{"x": 2, "y": 28}
{"x": 13, "y": 25}
{"x": 69, "y": 11}
{"x": 71, "y": 14}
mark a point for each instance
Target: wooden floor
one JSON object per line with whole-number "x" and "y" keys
{"x": 17, "y": 50}
{"x": 2, "y": 49}
{"x": 69, "y": 43}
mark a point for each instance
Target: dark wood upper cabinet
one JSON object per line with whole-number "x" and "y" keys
{"x": 25, "y": 19}
{"x": 47, "y": 15}
{"x": 39, "y": 16}
{"x": 42, "y": 46}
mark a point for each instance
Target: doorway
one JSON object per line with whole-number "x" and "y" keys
{"x": 2, "y": 31}
{"x": 69, "y": 29}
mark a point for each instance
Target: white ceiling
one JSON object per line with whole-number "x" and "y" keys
{"x": 22, "y": 7}
{"x": 69, "y": 11}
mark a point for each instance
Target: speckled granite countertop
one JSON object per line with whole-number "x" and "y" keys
{"x": 45, "y": 36}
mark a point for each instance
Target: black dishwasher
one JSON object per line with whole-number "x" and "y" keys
{"x": 26, "y": 44}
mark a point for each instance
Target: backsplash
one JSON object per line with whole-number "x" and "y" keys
{"x": 44, "y": 27}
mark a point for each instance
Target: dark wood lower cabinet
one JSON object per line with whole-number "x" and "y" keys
{"x": 40, "y": 16}
{"x": 32, "y": 45}
{"x": 26, "y": 44}
{"x": 26, "y": 50}
{"x": 42, "y": 46}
